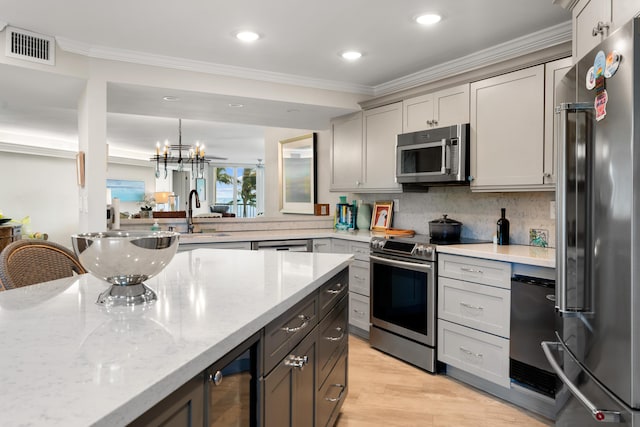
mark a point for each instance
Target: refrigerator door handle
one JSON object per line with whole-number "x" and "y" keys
{"x": 563, "y": 110}
{"x": 600, "y": 415}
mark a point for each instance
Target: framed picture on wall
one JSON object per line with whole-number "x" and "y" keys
{"x": 201, "y": 188}
{"x": 381, "y": 216}
{"x": 297, "y": 170}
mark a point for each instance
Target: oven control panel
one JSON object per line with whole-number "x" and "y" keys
{"x": 404, "y": 248}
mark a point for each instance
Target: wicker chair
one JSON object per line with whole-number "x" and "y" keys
{"x": 26, "y": 262}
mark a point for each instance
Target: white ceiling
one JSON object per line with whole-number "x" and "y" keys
{"x": 301, "y": 43}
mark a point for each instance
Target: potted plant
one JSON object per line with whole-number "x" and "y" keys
{"x": 146, "y": 206}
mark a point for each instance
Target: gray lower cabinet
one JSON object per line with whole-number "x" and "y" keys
{"x": 306, "y": 387}
{"x": 298, "y": 361}
{"x": 183, "y": 408}
{"x": 289, "y": 390}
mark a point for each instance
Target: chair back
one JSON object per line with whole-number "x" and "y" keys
{"x": 30, "y": 261}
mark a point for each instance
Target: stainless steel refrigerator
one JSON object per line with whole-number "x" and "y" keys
{"x": 597, "y": 353}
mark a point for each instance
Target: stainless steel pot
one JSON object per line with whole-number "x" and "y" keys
{"x": 445, "y": 229}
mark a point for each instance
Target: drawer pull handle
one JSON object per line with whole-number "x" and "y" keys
{"x": 471, "y": 353}
{"x": 336, "y": 291}
{"x": 339, "y": 397}
{"x": 471, "y": 270}
{"x": 296, "y": 361}
{"x": 355, "y": 276}
{"x": 338, "y": 338}
{"x": 305, "y": 322}
{"x": 358, "y": 311}
{"x": 472, "y": 307}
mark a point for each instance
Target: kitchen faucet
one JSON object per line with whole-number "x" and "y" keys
{"x": 190, "y": 211}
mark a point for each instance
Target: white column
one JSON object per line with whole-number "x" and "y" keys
{"x": 92, "y": 140}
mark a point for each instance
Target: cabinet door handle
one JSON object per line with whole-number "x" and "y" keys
{"x": 472, "y": 307}
{"x": 305, "y": 322}
{"x": 336, "y": 291}
{"x": 471, "y": 270}
{"x": 296, "y": 361}
{"x": 339, "y": 337}
{"x": 339, "y": 397}
{"x": 471, "y": 353}
{"x": 600, "y": 28}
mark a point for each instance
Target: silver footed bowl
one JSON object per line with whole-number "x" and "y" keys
{"x": 125, "y": 259}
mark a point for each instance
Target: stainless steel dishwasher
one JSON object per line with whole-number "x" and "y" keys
{"x": 532, "y": 321}
{"x": 292, "y": 245}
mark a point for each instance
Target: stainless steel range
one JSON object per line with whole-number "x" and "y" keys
{"x": 403, "y": 299}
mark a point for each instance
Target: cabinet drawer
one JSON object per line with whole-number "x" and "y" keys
{"x": 478, "y": 306}
{"x": 359, "y": 311}
{"x": 332, "y": 393}
{"x": 332, "y": 338}
{"x": 331, "y": 292}
{"x": 478, "y": 353}
{"x": 284, "y": 333}
{"x": 360, "y": 250}
{"x": 359, "y": 277}
{"x": 478, "y": 270}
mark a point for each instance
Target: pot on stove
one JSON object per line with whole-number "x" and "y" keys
{"x": 445, "y": 229}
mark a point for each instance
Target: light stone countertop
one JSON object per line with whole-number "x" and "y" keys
{"x": 68, "y": 362}
{"x": 260, "y": 235}
{"x": 520, "y": 254}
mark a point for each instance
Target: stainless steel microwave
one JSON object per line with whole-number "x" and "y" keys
{"x": 433, "y": 157}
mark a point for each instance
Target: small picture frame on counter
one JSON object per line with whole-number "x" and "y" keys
{"x": 321, "y": 209}
{"x": 381, "y": 216}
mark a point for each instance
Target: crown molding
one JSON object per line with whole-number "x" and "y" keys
{"x": 566, "y": 4}
{"x": 533, "y": 42}
{"x": 3, "y": 25}
{"x": 36, "y": 150}
{"x": 143, "y": 58}
{"x": 512, "y": 49}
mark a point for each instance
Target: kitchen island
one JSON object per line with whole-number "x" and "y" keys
{"x": 68, "y": 362}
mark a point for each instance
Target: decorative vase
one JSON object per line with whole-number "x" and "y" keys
{"x": 363, "y": 217}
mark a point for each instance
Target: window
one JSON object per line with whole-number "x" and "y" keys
{"x": 236, "y": 191}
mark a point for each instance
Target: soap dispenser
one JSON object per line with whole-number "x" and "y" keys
{"x": 155, "y": 226}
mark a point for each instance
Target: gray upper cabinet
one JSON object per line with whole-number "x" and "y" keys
{"x": 594, "y": 20}
{"x": 507, "y": 132}
{"x": 554, "y": 72}
{"x": 346, "y": 152}
{"x": 381, "y": 127}
{"x": 438, "y": 109}
{"x": 363, "y": 150}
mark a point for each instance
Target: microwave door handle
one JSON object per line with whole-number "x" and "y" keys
{"x": 446, "y": 155}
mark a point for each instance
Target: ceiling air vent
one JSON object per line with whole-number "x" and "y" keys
{"x": 30, "y": 46}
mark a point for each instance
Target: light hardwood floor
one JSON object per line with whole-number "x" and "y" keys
{"x": 383, "y": 391}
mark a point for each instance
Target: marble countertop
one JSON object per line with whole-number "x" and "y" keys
{"x": 68, "y": 362}
{"x": 521, "y": 254}
{"x": 255, "y": 235}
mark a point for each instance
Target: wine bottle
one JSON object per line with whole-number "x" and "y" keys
{"x": 503, "y": 228}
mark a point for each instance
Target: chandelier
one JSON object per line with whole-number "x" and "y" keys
{"x": 181, "y": 155}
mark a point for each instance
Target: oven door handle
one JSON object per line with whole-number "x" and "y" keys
{"x": 404, "y": 264}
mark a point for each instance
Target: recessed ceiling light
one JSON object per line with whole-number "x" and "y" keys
{"x": 170, "y": 98}
{"x": 236, "y": 105}
{"x": 247, "y": 36}
{"x": 351, "y": 55}
{"x": 428, "y": 19}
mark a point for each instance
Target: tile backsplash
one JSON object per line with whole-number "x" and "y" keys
{"x": 478, "y": 212}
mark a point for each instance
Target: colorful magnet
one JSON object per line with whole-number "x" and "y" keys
{"x": 612, "y": 64}
{"x": 598, "y": 64}
{"x": 601, "y": 105}
{"x": 590, "y": 79}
